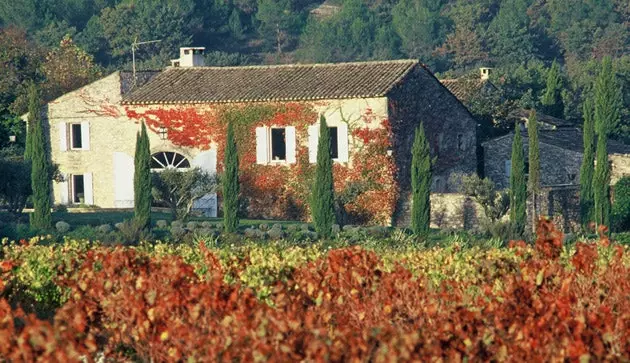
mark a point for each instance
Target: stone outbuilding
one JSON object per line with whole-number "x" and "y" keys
{"x": 372, "y": 109}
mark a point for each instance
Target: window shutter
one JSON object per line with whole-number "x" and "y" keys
{"x": 342, "y": 140}
{"x": 64, "y": 190}
{"x": 85, "y": 135}
{"x": 289, "y": 134}
{"x": 87, "y": 189}
{"x": 313, "y": 135}
{"x": 63, "y": 136}
{"x": 262, "y": 153}
{"x": 508, "y": 167}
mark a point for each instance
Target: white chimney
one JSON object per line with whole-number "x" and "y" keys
{"x": 189, "y": 57}
{"x": 485, "y": 73}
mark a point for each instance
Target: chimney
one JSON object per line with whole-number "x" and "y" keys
{"x": 485, "y": 73}
{"x": 189, "y": 57}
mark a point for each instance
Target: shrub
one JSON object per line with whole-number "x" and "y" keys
{"x": 207, "y": 225}
{"x": 621, "y": 205}
{"x": 161, "y": 224}
{"x": 191, "y": 225}
{"x": 132, "y": 232}
{"x": 62, "y": 227}
{"x": 104, "y": 228}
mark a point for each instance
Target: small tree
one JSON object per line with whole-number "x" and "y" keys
{"x": 551, "y": 99}
{"x": 534, "y": 162}
{"x": 420, "y": 183}
{"x": 40, "y": 164}
{"x": 142, "y": 180}
{"x": 230, "y": 183}
{"x": 495, "y": 204}
{"x": 588, "y": 165}
{"x": 15, "y": 181}
{"x": 323, "y": 195}
{"x": 621, "y": 206}
{"x": 518, "y": 186}
{"x": 179, "y": 189}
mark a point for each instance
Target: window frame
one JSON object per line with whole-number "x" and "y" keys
{"x": 71, "y": 133}
{"x": 74, "y": 196}
{"x": 169, "y": 164}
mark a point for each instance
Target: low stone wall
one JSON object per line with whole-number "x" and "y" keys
{"x": 454, "y": 211}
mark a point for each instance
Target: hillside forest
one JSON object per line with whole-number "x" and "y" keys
{"x": 544, "y": 53}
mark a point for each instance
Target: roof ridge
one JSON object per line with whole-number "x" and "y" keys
{"x": 299, "y": 65}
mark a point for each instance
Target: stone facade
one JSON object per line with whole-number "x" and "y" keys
{"x": 104, "y": 160}
{"x": 560, "y": 165}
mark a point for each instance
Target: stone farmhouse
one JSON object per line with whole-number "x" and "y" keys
{"x": 372, "y": 109}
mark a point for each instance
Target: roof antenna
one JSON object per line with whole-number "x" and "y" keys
{"x": 134, "y": 45}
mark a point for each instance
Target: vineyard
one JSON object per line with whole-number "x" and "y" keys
{"x": 547, "y": 301}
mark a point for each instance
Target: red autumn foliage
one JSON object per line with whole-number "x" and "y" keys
{"x": 343, "y": 307}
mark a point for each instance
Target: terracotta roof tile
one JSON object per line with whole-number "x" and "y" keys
{"x": 271, "y": 83}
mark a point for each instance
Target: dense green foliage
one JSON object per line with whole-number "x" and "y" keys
{"x": 518, "y": 186}
{"x": 587, "y": 169}
{"x": 601, "y": 183}
{"x": 552, "y": 98}
{"x": 231, "y": 186}
{"x": 519, "y": 38}
{"x": 420, "y": 183}
{"x": 142, "y": 179}
{"x": 323, "y": 195}
{"x": 15, "y": 180}
{"x": 621, "y": 205}
{"x": 40, "y": 164}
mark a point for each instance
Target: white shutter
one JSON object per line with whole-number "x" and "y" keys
{"x": 313, "y": 135}
{"x": 85, "y": 135}
{"x": 87, "y": 189}
{"x": 342, "y": 141}
{"x": 262, "y": 147}
{"x": 63, "y": 136}
{"x": 289, "y": 135}
{"x": 123, "y": 180}
{"x": 206, "y": 161}
{"x": 64, "y": 191}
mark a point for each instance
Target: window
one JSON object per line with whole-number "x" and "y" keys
{"x": 169, "y": 159}
{"x": 278, "y": 145}
{"x": 78, "y": 189}
{"x": 508, "y": 168}
{"x": 76, "y": 139}
{"x": 572, "y": 177}
{"x": 460, "y": 142}
{"x": 334, "y": 142}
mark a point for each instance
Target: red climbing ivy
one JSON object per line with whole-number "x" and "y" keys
{"x": 366, "y": 184}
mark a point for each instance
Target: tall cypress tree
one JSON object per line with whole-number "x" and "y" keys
{"x": 231, "y": 187}
{"x": 588, "y": 165}
{"x": 518, "y": 186}
{"x": 607, "y": 115}
{"x": 142, "y": 179}
{"x": 552, "y": 99}
{"x": 420, "y": 183}
{"x": 323, "y": 197}
{"x": 41, "y": 167}
{"x": 534, "y": 162}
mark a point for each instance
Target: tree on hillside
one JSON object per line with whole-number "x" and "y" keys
{"x": 552, "y": 98}
{"x": 279, "y": 23}
{"x": 420, "y": 26}
{"x": 142, "y": 180}
{"x": 509, "y": 33}
{"x": 518, "y": 186}
{"x": 40, "y": 164}
{"x": 588, "y": 165}
{"x": 420, "y": 183}
{"x": 534, "y": 163}
{"x": 323, "y": 195}
{"x": 231, "y": 187}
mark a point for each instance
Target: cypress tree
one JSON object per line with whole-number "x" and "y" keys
{"x": 534, "y": 162}
{"x": 420, "y": 183}
{"x": 588, "y": 165}
{"x": 518, "y": 186}
{"x": 551, "y": 99}
{"x": 41, "y": 167}
{"x": 231, "y": 187}
{"x": 33, "y": 111}
{"x": 323, "y": 197}
{"x": 607, "y": 114}
{"x": 142, "y": 180}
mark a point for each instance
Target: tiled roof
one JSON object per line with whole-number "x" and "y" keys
{"x": 554, "y": 122}
{"x": 271, "y": 83}
{"x": 465, "y": 88}
{"x": 569, "y": 138}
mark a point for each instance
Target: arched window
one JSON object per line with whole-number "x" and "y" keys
{"x": 169, "y": 159}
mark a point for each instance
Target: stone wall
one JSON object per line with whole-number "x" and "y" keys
{"x": 558, "y": 166}
{"x": 449, "y": 127}
{"x": 562, "y": 205}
